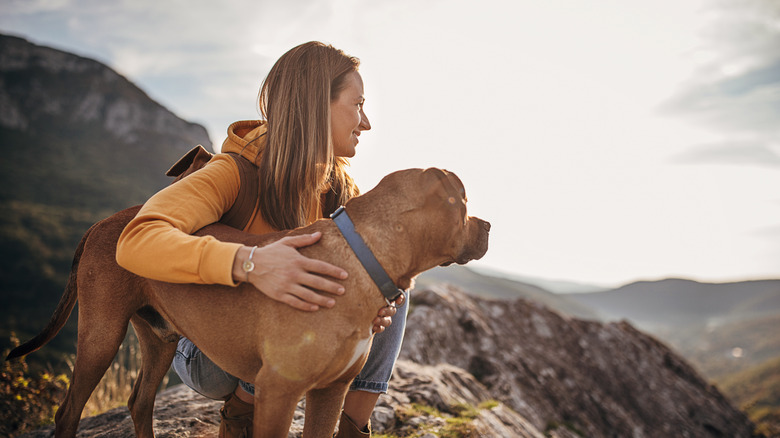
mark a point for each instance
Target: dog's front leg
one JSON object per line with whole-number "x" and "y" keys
{"x": 275, "y": 400}
{"x": 323, "y": 407}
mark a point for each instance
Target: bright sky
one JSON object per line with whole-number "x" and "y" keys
{"x": 605, "y": 140}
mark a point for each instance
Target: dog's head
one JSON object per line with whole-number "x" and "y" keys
{"x": 429, "y": 208}
{"x": 445, "y": 200}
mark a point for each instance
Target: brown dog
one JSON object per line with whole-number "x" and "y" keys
{"x": 413, "y": 220}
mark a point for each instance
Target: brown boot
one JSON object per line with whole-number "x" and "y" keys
{"x": 348, "y": 429}
{"x": 237, "y": 416}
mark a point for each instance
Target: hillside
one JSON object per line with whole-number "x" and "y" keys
{"x": 757, "y": 392}
{"x": 727, "y": 331}
{"x": 489, "y": 286}
{"x": 705, "y": 322}
{"x": 79, "y": 142}
{"x": 678, "y": 302}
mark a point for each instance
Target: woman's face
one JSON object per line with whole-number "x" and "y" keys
{"x": 347, "y": 118}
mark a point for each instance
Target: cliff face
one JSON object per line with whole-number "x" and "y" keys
{"x": 481, "y": 368}
{"x": 74, "y": 132}
{"x": 597, "y": 379}
{"x": 39, "y": 84}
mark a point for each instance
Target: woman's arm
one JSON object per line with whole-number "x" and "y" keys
{"x": 157, "y": 243}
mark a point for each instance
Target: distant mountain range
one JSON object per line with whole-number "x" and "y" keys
{"x": 489, "y": 286}
{"x": 653, "y": 304}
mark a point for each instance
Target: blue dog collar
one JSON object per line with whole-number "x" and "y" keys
{"x": 366, "y": 257}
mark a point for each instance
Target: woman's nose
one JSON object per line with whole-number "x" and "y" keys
{"x": 365, "y": 125}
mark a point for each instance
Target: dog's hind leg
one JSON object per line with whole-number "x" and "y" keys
{"x": 156, "y": 355}
{"x": 322, "y": 410}
{"x": 97, "y": 346}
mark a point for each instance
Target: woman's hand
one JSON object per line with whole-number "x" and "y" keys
{"x": 385, "y": 316}
{"x": 285, "y": 275}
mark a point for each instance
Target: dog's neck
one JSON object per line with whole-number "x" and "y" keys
{"x": 386, "y": 239}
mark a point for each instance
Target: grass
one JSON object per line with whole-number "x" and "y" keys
{"x": 29, "y": 400}
{"x": 416, "y": 420}
{"x": 756, "y": 391}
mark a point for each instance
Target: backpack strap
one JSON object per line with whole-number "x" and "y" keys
{"x": 193, "y": 160}
{"x": 240, "y": 213}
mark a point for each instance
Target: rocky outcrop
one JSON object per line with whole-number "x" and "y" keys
{"x": 566, "y": 375}
{"x": 484, "y": 368}
{"x": 423, "y": 399}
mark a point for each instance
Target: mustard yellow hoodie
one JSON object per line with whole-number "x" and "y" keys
{"x": 157, "y": 243}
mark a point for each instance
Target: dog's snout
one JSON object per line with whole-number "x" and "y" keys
{"x": 483, "y": 223}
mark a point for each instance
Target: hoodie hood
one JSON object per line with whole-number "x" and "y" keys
{"x": 247, "y": 138}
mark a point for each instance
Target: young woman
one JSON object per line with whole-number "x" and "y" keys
{"x": 312, "y": 108}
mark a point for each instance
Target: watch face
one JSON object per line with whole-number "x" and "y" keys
{"x": 248, "y": 266}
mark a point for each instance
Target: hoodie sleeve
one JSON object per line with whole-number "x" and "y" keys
{"x": 157, "y": 243}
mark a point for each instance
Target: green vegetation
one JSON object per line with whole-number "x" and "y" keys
{"x": 554, "y": 425}
{"x": 756, "y": 391}
{"x": 27, "y": 400}
{"x": 457, "y": 423}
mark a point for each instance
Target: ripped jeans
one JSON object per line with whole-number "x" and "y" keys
{"x": 201, "y": 374}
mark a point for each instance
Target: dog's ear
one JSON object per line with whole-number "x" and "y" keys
{"x": 444, "y": 185}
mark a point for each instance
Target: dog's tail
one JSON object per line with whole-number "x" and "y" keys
{"x": 61, "y": 313}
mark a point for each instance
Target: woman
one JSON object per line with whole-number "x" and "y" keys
{"x": 312, "y": 106}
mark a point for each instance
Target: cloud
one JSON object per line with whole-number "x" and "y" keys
{"x": 747, "y": 102}
{"x": 736, "y": 152}
{"x": 29, "y": 7}
{"x": 734, "y": 92}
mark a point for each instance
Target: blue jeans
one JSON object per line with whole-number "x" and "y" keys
{"x": 201, "y": 374}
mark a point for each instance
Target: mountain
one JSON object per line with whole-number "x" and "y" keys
{"x": 79, "y": 142}
{"x": 562, "y": 373}
{"x": 722, "y": 328}
{"x": 679, "y": 302}
{"x": 554, "y": 286}
{"x": 490, "y": 286}
{"x": 727, "y": 331}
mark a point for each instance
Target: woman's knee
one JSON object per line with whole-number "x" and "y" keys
{"x": 201, "y": 374}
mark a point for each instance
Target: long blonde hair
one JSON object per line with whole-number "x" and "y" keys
{"x": 298, "y": 162}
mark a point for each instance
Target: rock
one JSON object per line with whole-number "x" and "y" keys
{"x": 562, "y": 374}
{"x": 179, "y": 413}
{"x": 453, "y": 393}
{"x": 182, "y": 413}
